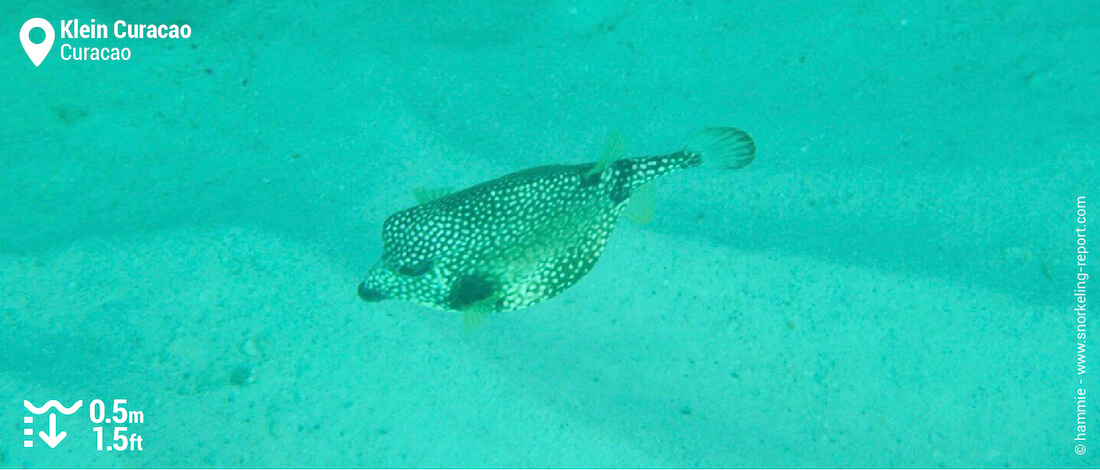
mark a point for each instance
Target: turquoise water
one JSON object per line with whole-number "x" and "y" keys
{"x": 890, "y": 283}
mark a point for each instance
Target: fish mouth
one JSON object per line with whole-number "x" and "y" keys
{"x": 371, "y": 295}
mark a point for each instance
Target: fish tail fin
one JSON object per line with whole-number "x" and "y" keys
{"x": 722, "y": 147}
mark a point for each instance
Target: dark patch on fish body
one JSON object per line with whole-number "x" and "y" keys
{"x": 470, "y": 289}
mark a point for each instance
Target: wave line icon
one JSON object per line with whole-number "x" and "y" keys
{"x": 53, "y": 404}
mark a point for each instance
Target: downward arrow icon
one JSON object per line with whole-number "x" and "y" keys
{"x": 53, "y": 438}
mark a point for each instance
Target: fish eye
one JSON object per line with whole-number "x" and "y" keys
{"x": 418, "y": 268}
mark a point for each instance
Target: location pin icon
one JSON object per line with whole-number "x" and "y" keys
{"x": 37, "y": 52}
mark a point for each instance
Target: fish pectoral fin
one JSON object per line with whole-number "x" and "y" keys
{"x": 473, "y": 316}
{"x": 615, "y": 150}
{"x": 426, "y": 195}
{"x": 475, "y": 296}
{"x": 642, "y": 204}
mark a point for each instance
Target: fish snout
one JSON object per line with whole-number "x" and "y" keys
{"x": 371, "y": 295}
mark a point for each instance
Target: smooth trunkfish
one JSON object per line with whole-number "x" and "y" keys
{"x": 517, "y": 240}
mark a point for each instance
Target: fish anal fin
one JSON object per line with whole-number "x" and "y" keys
{"x": 426, "y": 195}
{"x": 642, "y": 204}
{"x": 615, "y": 150}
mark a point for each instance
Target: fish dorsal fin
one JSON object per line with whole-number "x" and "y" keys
{"x": 426, "y": 195}
{"x": 642, "y": 204}
{"x": 616, "y": 150}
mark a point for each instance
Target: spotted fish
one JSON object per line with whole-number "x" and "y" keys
{"x": 517, "y": 240}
